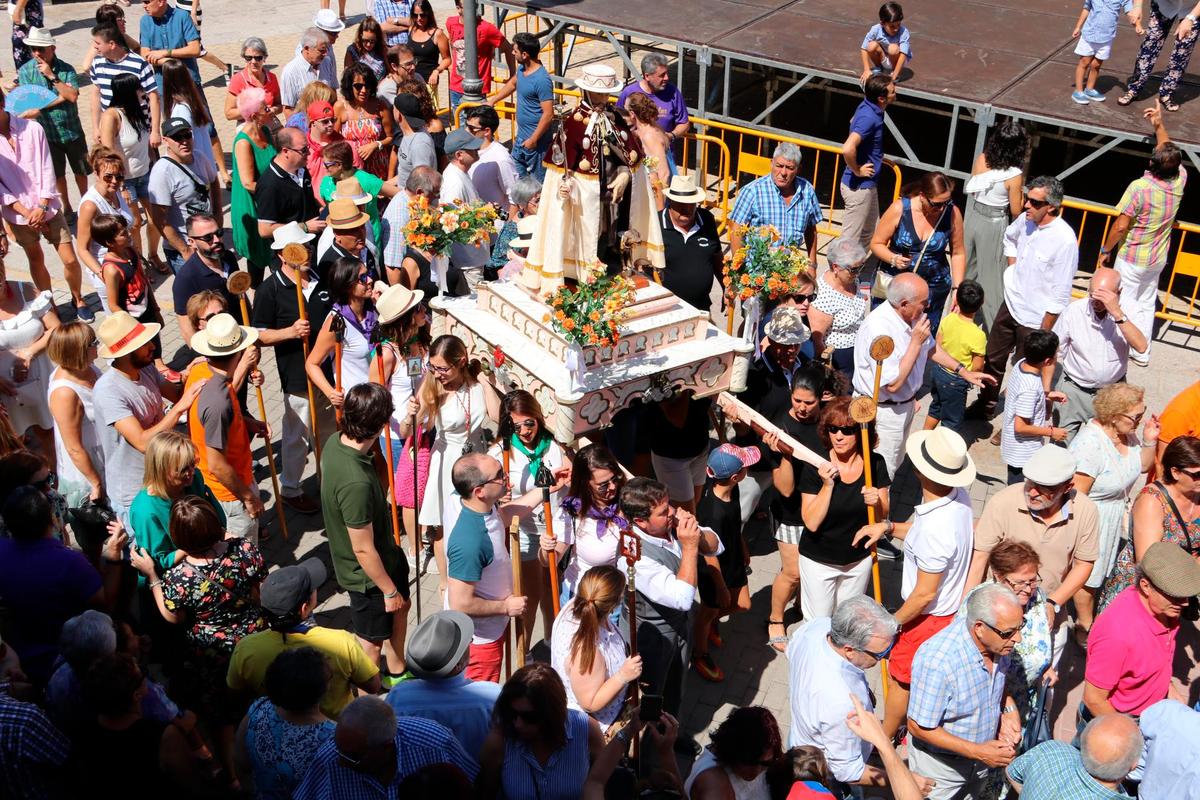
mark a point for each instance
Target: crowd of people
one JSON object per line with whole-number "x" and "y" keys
{"x": 145, "y": 624}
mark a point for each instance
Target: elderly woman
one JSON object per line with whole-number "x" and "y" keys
{"x": 587, "y": 649}
{"x": 76, "y": 444}
{"x": 1167, "y": 510}
{"x": 364, "y": 120}
{"x": 835, "y": 315}
{"x": 27, "y": 318}
{"x": 922, "y": 232}
{"x": 538, "y": 746}
{"x": 254, "y": 75}
{"x": 735, "y": 762}
{"x": 525, "y": 194}
{"x": 106, "y": 195}
{"x": 834, "y": 503}
{"x": 1015, "y": 565}
{"x": 1110, "y": 459}
{"x": 253, "y": 150}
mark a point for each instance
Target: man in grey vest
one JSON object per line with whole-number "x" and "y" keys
{"x": 672, "y": 544}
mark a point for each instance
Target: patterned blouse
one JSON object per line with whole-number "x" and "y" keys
{"x": 1125, "y": 571}
{"x": 279, "y": 751}
{"x": 218, "y": 596}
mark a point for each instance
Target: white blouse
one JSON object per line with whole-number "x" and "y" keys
{"x": 988, "y": 187}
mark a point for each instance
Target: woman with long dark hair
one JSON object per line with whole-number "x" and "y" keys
{"x": 182, "y": 98}
{"x": 922, "y": 232}
{"x": 125, "y": 129}
{"x": 994, "y": 198}
{"x": 352, "y": 291}
{"x": 369, "y": 47}
{"x": 429, "y": 44}
{"x": 364, "y": 120}
{"x": 736, "y": 760}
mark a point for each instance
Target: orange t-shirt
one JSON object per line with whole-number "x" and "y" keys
{"x": 215, "y": 420}
{"x": 1181, "y": 417}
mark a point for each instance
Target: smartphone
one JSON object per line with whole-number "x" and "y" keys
{"x": 651, "y": 708}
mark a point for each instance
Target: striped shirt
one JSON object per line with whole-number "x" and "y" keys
{"x": 562, "y": 776}
{"x": 1152, "y": 204}
{"x": 395, "y": 239}
{"x": 954, "y": 689}
{"x": 298, "y": 73}
{"x": 103, "y": 71}
{"x": 1026, "y": 398}
{"x": 760, "y": 203}
{"x": 419, "y": 743}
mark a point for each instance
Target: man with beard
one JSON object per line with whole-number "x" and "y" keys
{"x": 180, "y": 187}
{"x": 208, "y": 267}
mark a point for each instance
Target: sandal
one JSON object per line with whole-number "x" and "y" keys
{"x": 1169, "y": 105}
{"x": 1126, "y": 98}
{"x": 777, "y": 643}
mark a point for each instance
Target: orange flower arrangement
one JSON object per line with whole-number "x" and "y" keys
{"x": 591, "y": 313}
{"x": 437, "y": 229}
{"x": 764, "y": 267}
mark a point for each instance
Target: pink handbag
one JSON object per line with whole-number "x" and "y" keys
{"x": 405, "y": 491}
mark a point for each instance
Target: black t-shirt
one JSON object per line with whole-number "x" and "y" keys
{"x": 689, "y": 264}
{"x": 669, "y": 441}
{"x": 830, "y": 543}
{"x": 275, "y": 307}
{"x": 787, "y": 509}
{"x": 195, "y": 276}
{"x": 334, "y": 252}
{"x": 278, "y": 198}
{"x": 769, "y": 392}
{"x": 725, "y": 519}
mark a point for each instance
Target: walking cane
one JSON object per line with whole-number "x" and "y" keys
{"x": 338, "y": 327}
{"x": 390, "y": 461}
{"x": 414, "y": 372}
{"x": 881, "y": 348}
{"x": 518, "y": 623}
{"x": 238, "y": 284}
{"x": 862, "y": 411}
{"x": 296, "y": 257}
{"x": 631, "y": 550}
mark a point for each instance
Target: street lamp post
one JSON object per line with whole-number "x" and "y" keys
{"x": 472, "y": 85}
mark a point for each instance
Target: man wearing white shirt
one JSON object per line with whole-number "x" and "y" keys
{"x": 494, "y": 173}
{"x": 1094, "y": 340}
{"x": 827, "y": 659}
{"x": 902, "y": 319}
{"x": 672, "y": 542}
{"x": 1042, "y": 255}
{"x": 462, "y": 150}
{"x": 310, "y": 64}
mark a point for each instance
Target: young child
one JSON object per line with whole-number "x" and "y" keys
{"x": 1027, "y": 405}
{"x": 886, "y": 46}
{"x": 1096, "y": 30}
{"x": 962, "y": 338}
{"x": 722, "y": 580}
{"x": 125, "y": 281}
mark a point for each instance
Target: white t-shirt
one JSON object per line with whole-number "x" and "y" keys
{"x": 940, "y": 540}
{"x": 494, "y": 175}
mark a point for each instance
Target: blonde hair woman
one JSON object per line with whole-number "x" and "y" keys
{"x": 170, "y": 474}
{"x": 76, "y": 445}
{"x": 1110, "y": 459}
{"x": 588, "y": 651}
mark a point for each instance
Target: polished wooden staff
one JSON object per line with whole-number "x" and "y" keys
{"x": 881, "y": 348}
{"x": 414, "y": 372}
{"x": 338, "y": 327}
{"x": 390, "y": 460}
{"x": 238, "y": 284}
{"x": 296, "y": 256}
{"x": 862, "y": 411}
{"x": 552, "y": 556}
{"x": 517, "y": 623}
{"x": 631, "y": 551}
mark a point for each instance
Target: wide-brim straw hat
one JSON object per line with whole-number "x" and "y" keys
{"x": 222, "y": 336}
{"x": 683, "y": 189}
{"x": 291, "y": 233}
{"x": 120, "y": 334}
{"x": 396, "y": 301}
{"x": 941, "y": 456}
{"x": 599, "y": 78}
{"x": 345, "y": 215}
{"x": 351, "y": 189}
{"x": 786, "y": 326}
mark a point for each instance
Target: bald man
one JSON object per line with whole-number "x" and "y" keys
{"x": 1094, "y": 339}
{"x": 1110, "y": 747}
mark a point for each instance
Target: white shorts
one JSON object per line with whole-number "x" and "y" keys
{"x": 1101, "y": 51}
{"x": 681, "y": 476}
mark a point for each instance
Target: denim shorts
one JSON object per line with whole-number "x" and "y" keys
{"x": 138, "y": 187}
{"x": 949, "y": 398}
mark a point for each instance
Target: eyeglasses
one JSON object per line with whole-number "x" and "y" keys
{"x": 1018, "y": 585}
{"x": 429, "y": 367}
{"x": 845, "y": 430}
{"x": 1005, "y": 635}
{"x": 611, "y": 483}
{"x": 1036, "y": 203}
{"x": 369, "y": 42}
{"x": 254, "y": 58}
{"x": 1132, "y": 418}
{"x": 407, "y": 65}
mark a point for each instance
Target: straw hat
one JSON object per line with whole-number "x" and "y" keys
{"x": 351, "y": 189}
{"x": 941, "y": 456}
{"x": 344, "y": 215}
{"x": 120, "y": 334}
{"x": 222, "y": 336}
{"x": 396, "y": 301}
{"x": 599, "y": 78}
{"x": 683, "y": 189}
{"x": 524, "y": 238}
{"x": 39, "y": 37}
{"x": 787, "y": 327}
{"x": 291, "y": 233}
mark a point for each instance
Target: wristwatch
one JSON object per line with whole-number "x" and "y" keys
{"x": 1053, "y": 604}
{"x": 1192, "y": 18}
{"x": 1121, "y": 321}
{"x": 958, "y": 369}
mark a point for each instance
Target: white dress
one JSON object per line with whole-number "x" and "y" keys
{"x": 534, "y": 525}
{"x": 71, "y": 481}
{"x": 611, "y": 647}
{"x": 742, "y": 789}
{"x": 441, "y": 503}
{"x": 95, "y": 248}
{"x": 28, "y": 406}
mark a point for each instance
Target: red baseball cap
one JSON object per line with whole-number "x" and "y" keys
{"x": 320, "y": 109}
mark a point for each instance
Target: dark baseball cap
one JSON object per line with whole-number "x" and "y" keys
{"x": 175, "y": 126}
{"x": 460, "y": 139}
{"x": 287, "y": 587}
{"x": 408, "y": 106}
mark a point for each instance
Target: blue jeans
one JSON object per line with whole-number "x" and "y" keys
{"x": 529, "y": 162}
{"x": 455, "y": 99}
{"x": 949, "y": 398}
{"x": 174, "y": 259}
{"x": 397, "y": 448}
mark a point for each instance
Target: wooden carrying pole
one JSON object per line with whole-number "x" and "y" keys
{"x": 238, "y": 284}
{"x": 338, "y": 326}
{"x": 735, "y": 409}
{"x": 862, "y": 411}
{"x": 414, "y": 372}
{"x": 881, "y": 348}
{"x": 631, "y": 550}
{"x": 517, "y": 623}
{"x": 391, "y": 465}
{"x": 296, "y": 257}
{"x": 552, "y": 556}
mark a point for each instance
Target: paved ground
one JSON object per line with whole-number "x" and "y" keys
{"x": 755, "y": 673}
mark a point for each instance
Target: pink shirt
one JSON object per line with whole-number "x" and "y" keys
{"x": 1130, "y": 653}
{"x": 26, "y": 173}
{"x": 270, "y": 87}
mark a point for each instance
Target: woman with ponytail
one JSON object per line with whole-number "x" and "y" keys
{"x": 533, "y": 459}
{"x": 588, "y": 651}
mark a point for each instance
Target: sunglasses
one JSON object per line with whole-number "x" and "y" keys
{"x": 530, "y": 717}
{"x": 1005, "y": 635}
{"x": 884, "y": 654}
{"x": 501, "y": 479}
{"x": 94, "y": 343}
{"x": 254, "y": 58}
{"x": 804, "y": 298}
{"x": 611, "y": 483}
{"x": 332, "y": 164}
{"x": 114, "y": 177}
{"x": 1193, "y": 474}
{"x": 359, "y": 87}
{"x": 206, "y": 237}
{"x": 48, "y": 482}
{"x": 301, "y": 150}
{"x": 1036, "y": 203}
{"x": 528, "y": 424}
{"x": 936, "y": 205}
{"x": 857, "y": 268}
{"x": 1132, "y": 418}
{"x": 182, "y": 136}
{"x": 369, "y": 42}
{"x": 207, "y": 317}
{"x": 845, "y": 430}
{"x": 366, "y": 280}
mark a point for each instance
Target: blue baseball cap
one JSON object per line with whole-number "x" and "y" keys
{"x": 728, "y": 460}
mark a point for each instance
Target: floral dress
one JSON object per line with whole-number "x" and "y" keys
{"x": 362, "y": 127}
{"x": 279, "y": 751}
{"x": 217, "y": 600}
{"x": 1125, "y": 572}
{"x": 1113, "y": 477}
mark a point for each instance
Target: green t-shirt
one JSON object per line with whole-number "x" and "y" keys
{"x": 468, "y": 549}
{"x": 150, "y": 522}
{"x": 352, "y": 497}
{"x": 372, "y": 185}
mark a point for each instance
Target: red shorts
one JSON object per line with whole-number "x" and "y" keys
{"x": 913, "y": 634}
{"x": 484, "y": 662}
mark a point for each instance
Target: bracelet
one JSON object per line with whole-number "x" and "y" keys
{"x": 304, "y": 227}
{"x": 156, "y": 583}
{"x": 389, "y": 596}
{"x": 891, "y": 528}
{"x": 1008, "y": 709}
